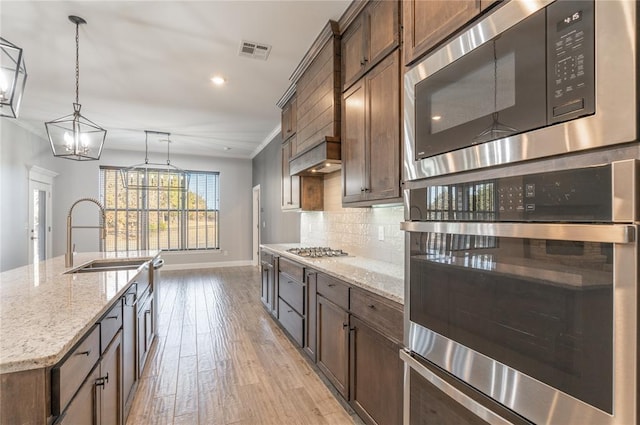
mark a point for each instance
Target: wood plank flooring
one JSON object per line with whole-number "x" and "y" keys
{"x": 220, "y": 359}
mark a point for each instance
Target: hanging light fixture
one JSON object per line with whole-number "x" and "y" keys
{"x": 155, "y": 176}
{"x": 74, "y": 136}
{"x": 13, "y": 76}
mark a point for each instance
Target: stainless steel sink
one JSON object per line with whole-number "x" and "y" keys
{"x": 109, "y": 265}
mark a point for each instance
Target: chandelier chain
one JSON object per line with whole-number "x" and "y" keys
{"x": 77, "y": 63}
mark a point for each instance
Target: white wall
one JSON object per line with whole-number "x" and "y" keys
{"x": 354, "y": 230}
{"x": 20, "y": 149}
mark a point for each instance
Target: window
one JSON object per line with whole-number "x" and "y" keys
{"x": 161, "y": 217}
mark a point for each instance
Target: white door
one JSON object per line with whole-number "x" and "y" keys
{"x": 256, "y": 225}
{"x": 39, "y": 221}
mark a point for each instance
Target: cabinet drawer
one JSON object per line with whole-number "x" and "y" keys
{"x": 334, "y": 290}
{"x": 110, "y": 325}
{"x": 67, "y": 376}
{"x": 291, "y": 321}
{"x": 385, "y": 315}
{"x": 294, "y": 270}
{"x": 292, "y": 292}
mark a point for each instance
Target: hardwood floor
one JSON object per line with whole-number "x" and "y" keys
{"x": 219, "y": 358}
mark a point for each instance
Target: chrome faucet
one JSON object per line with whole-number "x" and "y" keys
{"x": 68, "y": 257}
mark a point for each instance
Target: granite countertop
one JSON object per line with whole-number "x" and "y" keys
{"x": 44, "y": 312}
{"x": 379, "y": 277}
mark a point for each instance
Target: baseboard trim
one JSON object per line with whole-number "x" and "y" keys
{"x": 207, "y": 265}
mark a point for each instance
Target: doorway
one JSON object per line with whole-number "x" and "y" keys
{"x": 256, "y": 225}
{"x": 40, "y": 214}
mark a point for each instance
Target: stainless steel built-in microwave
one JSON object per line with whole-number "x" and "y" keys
{"x": 531, "y": 80}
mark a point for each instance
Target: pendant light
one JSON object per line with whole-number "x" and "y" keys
{"x": 155, "y": 176}
{"x": 13, "y": 76}
{"x": 74, "y": 136}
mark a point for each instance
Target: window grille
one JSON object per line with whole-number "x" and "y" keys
{"x": 158, "y": 217}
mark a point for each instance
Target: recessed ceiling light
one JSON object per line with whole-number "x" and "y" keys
{"x": 436, "y": 117}
{"x": 227, "y": 148}
{"x": 218, "y": 80}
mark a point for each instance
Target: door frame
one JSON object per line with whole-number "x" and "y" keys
{"x": 256, "y": 225}
{"x": 42, "y": 179}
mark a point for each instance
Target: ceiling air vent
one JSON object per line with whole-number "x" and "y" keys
{"x": 254, "y": 50}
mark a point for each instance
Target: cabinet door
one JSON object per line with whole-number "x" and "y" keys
{"x": 353, "y": 51}
{"x": 288, "y": 124}
{"x": 384, "y": 35}
{"x": 383, "y": 122}
{"x": 110, "y": 386}
{"x": 310, "y": 309}
{"x": 333, "y": 344}
{"x": 427, "y": 22}
{"x": 145, "y": 333}
{"x": 353, "y": 143}
{"x": 376, "y": 375}
{"x": 84, "y": 408}
{"x": 129, "y": 375}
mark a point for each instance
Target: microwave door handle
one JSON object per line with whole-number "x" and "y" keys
{"x": 602, "y": 233}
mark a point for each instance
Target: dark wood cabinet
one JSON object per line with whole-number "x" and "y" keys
{"x": 84, "y": 407}
{"x": 369, "y": 38}
{"x": 299, "y": 193}
{"x": 269, "y": 295}
{"x": 371, "y": 136}
{"x": 145, "y": 329}
{"x": 333, "y": 344}
{"x": 289, "y": 122}
{"x": 428, "y": 22}
{"x": 109, "y": 384}
{"x": 292, "y": 291}
{"x": 311, "y": 278}
{"x": 376, "y": 375}
{"x": 129, "y": 373}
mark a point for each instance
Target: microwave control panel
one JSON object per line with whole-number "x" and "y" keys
{"x": 570, "y": 60}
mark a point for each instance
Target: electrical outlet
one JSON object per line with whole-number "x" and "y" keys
{"x": 380, "y": 233}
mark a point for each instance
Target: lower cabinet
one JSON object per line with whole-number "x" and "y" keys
{"x": 333, "y": 344}
{"x": 376, "y": 375}
{"x": 84, "y": 407}
{"x": 146, "y": 329}
{"x": 129, "y": 324}
{"x": 311, "y": 278}
{"x": 109, "y": 384}
{"x": 268, "y": 292}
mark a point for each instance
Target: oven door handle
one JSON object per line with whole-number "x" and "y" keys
{"x": 603, "y": 233}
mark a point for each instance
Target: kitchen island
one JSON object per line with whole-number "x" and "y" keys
{"x": 44, "y": 313}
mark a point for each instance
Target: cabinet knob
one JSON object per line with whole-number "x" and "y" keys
{"x": 84, "y": 353}
{"x": 345, "y": 325}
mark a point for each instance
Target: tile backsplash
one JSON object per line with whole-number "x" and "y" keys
{"x": 354, "y": 230}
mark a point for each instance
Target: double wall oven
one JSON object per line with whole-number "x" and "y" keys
{"x": 522, "y": 212}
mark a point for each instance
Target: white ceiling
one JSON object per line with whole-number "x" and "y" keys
{"x": 146, "y": 65}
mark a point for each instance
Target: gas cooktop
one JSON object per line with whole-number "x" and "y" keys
{"x": 317, "y": 252}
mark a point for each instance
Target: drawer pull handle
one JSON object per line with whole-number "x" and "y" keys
{"x": 371, "y": 306}
{"x": 345, "y": 325}
{"x": 289, "y": 311}
{"x": 111, "y": 317}
{"x": 331, "y": 285}
{"x": 83, "y": 353}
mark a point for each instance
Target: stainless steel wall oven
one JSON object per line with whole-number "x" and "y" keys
{"x": 533, "y": 79}
{"x": 522, "y": 283}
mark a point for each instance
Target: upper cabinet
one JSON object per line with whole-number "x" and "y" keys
{"x": 317, "y": 82}
{"x": 371, "y": 136}
{"x": 289, "y": 122}
{"x": 427, "y": 22}
{"x": 369, "y": 38}
{"x": 371, "y": 104}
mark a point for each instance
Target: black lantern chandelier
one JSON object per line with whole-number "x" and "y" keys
{"x": 155, "y": 176}
{"x": 74, "y": 136}
{"x": 13, "y": 76}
